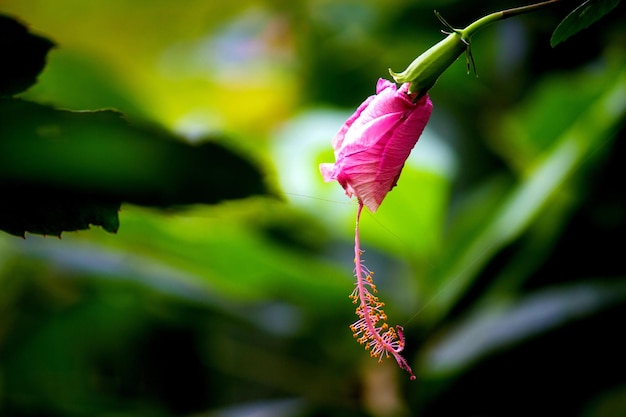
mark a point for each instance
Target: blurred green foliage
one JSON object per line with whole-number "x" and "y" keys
{"x": 500, "y": 251}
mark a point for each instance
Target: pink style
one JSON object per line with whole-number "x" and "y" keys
{"x": 373, "y": 144}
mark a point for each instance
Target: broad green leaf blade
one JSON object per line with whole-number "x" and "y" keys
{"x": 100, "y": 153}
{"x": 583, "y": 16}
{"x": 98, "y": 156}
{"x": 23, "y": 56}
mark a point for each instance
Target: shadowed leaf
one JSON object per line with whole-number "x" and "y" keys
{"x": 52, "y": 212}
{"x": 23, "y": 56}
{"x": 76, "y": 158}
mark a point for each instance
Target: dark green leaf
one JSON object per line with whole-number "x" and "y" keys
{"x": 51, "y": 212}
{"x": 23, "y": 56}
{"x": 84, "y": 157}
{"x": 582, "y": 17}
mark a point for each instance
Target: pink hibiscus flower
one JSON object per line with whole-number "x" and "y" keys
{"x": 370, "y": 150}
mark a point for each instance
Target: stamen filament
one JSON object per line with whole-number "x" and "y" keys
{"x": 380, "y": 340}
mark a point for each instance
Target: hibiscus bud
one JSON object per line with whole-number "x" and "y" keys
{"x": 373, "y": 144}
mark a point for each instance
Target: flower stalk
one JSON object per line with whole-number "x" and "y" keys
{"x": 424, "y": 71}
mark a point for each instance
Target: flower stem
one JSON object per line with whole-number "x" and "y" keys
{"x": 501, "y": 15}
{"x": 424, "y": 71}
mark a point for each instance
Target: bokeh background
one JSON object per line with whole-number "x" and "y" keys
{"x": 501, "y": 251}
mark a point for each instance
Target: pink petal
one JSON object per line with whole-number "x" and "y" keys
{"x": 338, "y": 139}
{"x": 374, "y": 143}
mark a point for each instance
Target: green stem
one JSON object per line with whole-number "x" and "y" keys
{"x": 501, "y": 15}
{"x": 424, "y": 71}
